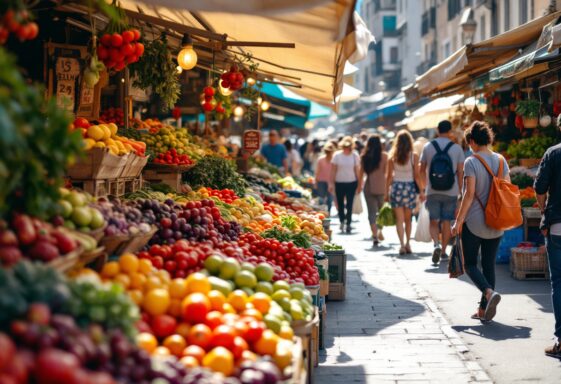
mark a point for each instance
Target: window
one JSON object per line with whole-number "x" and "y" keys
{"x": 394, "y": 55}
{"x": 483, "y": 28}
{"x": 389, "y": 24}
{"x": 523, "y": 11}
{"x": 506, "y": 15}
{"x": 454, "y": 7}
{"x": 446, "y": 49}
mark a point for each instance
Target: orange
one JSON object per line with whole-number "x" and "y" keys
{"x": 196, "y": 352}
{"x": 189, "y": 362}
{"x": 238, "y": 299}
{"x": 262, "y": 302}
{"x": 152, "y": 282}
{"x": 128, "y": 263}
{"x": 137, "y": 280}
{"x": 227, "y": 308}
{"x": 217, "y": 300}
{"x": 178, "y": 288}
{"x": 286, "y": 332}
{"x": 175, "y": 308}
{"x": 111, "y": 269}
{"x": 183, "y": 330}
{"x": 123, "y": 279}
{"x": 136, "y": 296}
{"x": 283, "y": 354}
{"x": 161, "y": 351}
{"x": 156, "y": 301}
{"x": 220, "y": 360}
{"x": 267, "y": 344}
{"x": 198, "y": 282}
{"x": 252, "y": 313}
{"x": 146, "y": 341}
{"x": 176, "y": 344}
{"x": 145, "y": 266}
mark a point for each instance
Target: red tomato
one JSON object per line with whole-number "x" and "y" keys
{"x": 128, "y": 36}
{"x": 170, "y": 266}
{"x": 240, "y": 346}
{"x": 195, "y": 308}
{"x": 139, "y": 49}
{"x": 116, "y": 40}
{"x": 200, "y": 335}
{"x": 223, "y": 336}
{"x": 254, "y": 331}
{"x": 136, "y": 33}
{"x": 214, "y": 319}
{"x": 163, "y": 325}
{"x": 106, "y": 40}
{"x": 128, "y": 49}
{"x": 158, "y": 262}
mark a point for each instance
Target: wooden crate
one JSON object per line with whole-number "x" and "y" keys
{"x": 529, "y": 264}
{"x": 315, "y": 344}
{"x": 138, "y": 242}
{"x": 324, "y": 283}
{"x": 133, "y": 185}
{"x": 117, "y": 187}
{"x": 337, "y": 292}
{"x": 171, "y": 179}
{"x": 337, "y": 266}
{"x": 96, "y": 188}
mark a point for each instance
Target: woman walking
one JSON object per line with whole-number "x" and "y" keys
{"x": 470, "y": 221}
{"x": 403, "y": 185}
{"x": 344, "y": 181}
{"x": 323, "y": 176}
{"x": 373, "y": 164}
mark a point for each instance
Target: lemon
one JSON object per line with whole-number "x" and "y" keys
{"x": 96, "y": 133}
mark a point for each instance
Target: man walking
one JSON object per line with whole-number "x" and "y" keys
{"x": 274, "y": 152}
{"x": 548, "y": 194}
{"x": 444, "y": 162}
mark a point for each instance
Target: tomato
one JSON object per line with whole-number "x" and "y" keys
{"x": 214, "y": 319}
{"x": 195, "y": 308}
{"x": 136, "y": 33}
{"x": 106, "y": 40}
{"x": 163, "y": 325}
{"x": 200, "y": 335}
{"x": 196, "y": 352}
{"x": 158, "y": 262}
{"x": 240, "y": 346}
{"x": 139, "y": 49}
{"x": 116, "y": 40}
{"x": 254, "y": 331}
{"x": 80, "y": 122}
{"x": 223, "y": 336}
{"x": 170, "y": 266}
{"x": 128, "y": 36}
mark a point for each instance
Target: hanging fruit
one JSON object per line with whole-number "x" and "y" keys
{"x": 17, "y": 20}
{"x": 94, "y": 69}
{"x": 233, "y": 79}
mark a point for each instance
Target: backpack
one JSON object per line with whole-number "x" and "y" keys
{"x": 442, "y": 175}
{"x": 503, "y": 210}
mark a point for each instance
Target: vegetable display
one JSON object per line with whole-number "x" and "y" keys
{"x": 530, "y": 148}
{"x": 217, "y": 173}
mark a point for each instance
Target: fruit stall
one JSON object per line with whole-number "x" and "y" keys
{"x": 132, "y": 250}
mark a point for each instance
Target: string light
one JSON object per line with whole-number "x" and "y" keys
{"x": 187, "y": 57}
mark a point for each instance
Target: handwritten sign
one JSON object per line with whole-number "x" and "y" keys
{"x": 67, "y": 71}
{"x": 251, "y": 141}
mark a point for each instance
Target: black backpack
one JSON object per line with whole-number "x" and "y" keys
{"x": 442, "y": 174}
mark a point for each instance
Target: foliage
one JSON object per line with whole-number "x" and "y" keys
{"x": 332, "y": 247}
{"x": 158, "y": 71}
{"x": 35, "y": 145}
{"x": 300, "y": 239}
{"x": 531, "y": 148}
{"x": 216, "y": 172}
{"x": 528, "y": 108}
{"x": 522, "y": 180}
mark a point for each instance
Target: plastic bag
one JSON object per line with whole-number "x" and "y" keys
{"x": 357, "y": 205}
{"x": 386, "y": 216}
{"x": 422, "y": 232}
{"x": 456, "y": 266}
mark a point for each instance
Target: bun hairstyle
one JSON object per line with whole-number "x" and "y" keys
{"x": 480, "y": 133}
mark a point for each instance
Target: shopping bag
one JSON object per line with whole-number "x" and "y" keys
{"x": 422, "y": 232}
{"x": 456, "y": 262}
{"x": 357, "y": 205}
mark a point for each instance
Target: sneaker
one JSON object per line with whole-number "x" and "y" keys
{"x": 349, "y": 229}
{"x": 492, "y": 303}
{"x": 342, "y": 227}
{"x": 436, "y": 253}
{"x": 554, "y": 351}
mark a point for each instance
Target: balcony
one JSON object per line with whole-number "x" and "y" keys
{"x": 428, "y": 21}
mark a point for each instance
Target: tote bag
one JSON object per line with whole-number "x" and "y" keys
{"x": 422, "y": 232}
{"x": 456, "y": 262}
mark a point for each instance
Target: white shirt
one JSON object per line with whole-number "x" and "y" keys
{"x": 555, "y": 229}
{"x": 345, "y": 166}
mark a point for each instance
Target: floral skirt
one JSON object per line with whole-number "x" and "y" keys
{"x": 403, "y": 194}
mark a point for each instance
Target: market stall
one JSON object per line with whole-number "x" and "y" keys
{"x": 131, "y": 248}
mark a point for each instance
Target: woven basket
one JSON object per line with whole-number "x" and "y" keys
{"x": 529, "y": 260}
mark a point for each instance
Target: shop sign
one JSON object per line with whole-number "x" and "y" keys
{"x": 251, "y": 141}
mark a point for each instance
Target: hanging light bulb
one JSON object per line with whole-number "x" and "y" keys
{"x": 265, "y": 105}
{"x": 224, "y": 91}
{"x": 251, "y": 81}
{"x": 179, "y": 69}
{"x": 259, "y": 100}
{"x": 239, "y": 111}
{"x": 187, "y": 57}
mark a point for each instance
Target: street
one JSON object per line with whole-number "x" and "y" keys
{"x": 405, "y": 320}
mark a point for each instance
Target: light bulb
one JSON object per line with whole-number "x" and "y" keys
{"x": 259, "y": 100}
{"x": 238, "y": 111}
{"x": 179, "y": 69}
{"x": 265, "y": 105}
{"x": 187, "y": 57}
{"x": 251, "y": 81}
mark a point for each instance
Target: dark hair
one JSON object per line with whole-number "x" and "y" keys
{"x": 480, "y": 133}
{"x": 288, "y": 145}
{"x": 444, "y": 126}
{"x": 402, "y": 147}
{"x": 372, "y": 154}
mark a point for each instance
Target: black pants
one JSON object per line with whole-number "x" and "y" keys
{"x": 472, "y": 244}
{"x": 345, "y": 191}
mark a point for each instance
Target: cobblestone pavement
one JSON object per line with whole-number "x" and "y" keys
{"x": 388, "y": 330}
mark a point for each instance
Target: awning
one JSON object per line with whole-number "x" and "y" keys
{"x": 470, "y": 61}
{"x": 390, "y": 108}
{"x": 325, "y": 36}
{"x": 349, "y": 93}
{"x": 314, "y": 110}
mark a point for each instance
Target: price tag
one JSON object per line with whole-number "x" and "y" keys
{"x": 67, "y": 71}
{"x": 87, "y": 96}
{"x": 65, "y": 94}
{"x": 67, "y": 68}
{"x": 251, "y": 140}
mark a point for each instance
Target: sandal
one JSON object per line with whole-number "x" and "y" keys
{"x": 479, "y": 315}
{"x": 402, "y": 251}
{"x": 408, "y": 249}
{"x": 376, "y": 243}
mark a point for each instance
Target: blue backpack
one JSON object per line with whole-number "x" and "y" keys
{"x": 441, "y": 173}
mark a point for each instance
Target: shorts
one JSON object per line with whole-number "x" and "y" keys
{"x": 441, "y": 207}
{"x": 373, "y": 204}
{"x": 403, "y": 194}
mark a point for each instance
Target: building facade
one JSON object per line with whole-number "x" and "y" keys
{"x": 409, "y": 18}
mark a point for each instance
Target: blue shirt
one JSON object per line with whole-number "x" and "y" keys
{"x": 275, "y": 154}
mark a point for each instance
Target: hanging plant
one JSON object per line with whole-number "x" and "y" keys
{"x": 158, "y": 71}
{"x": 529, "y": 110}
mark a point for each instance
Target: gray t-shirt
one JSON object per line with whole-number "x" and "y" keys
{"x": 456, "y": 155}
{"x": 475, "y": 218}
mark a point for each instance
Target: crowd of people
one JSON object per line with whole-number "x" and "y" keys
{"x": 454, "y": 181}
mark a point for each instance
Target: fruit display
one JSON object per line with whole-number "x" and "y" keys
{"x": 217, "y": 173}
{"x": 122, "y": 218}
{"x": 113, "y": 115}
{"x": 75, "y": 212}
{"x": 105, "y": 136}
{"x": 16, "y": 21}
{"x": 171, "y": 157}
{"x": 117, "y": 49}
{"x": 166, "y": 138}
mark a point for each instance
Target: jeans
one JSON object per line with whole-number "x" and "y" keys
{"x": 472, "y": 244}
{"x": 345, "y": 191}
{"x": 324, "y": 196}
{"x": 553, "y": 246}
{"x": 441, "y": 207}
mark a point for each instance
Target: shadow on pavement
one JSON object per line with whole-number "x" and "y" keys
{"x": 495, "y": 331}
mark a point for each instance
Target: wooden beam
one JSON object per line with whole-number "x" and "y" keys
{"x": 258, "y": 44}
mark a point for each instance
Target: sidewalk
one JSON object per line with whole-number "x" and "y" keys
{"x": 388, "y": 330}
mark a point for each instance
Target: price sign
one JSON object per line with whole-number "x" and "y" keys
{"x": 251, "y": 141}
{"x": 67, "y": 71}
